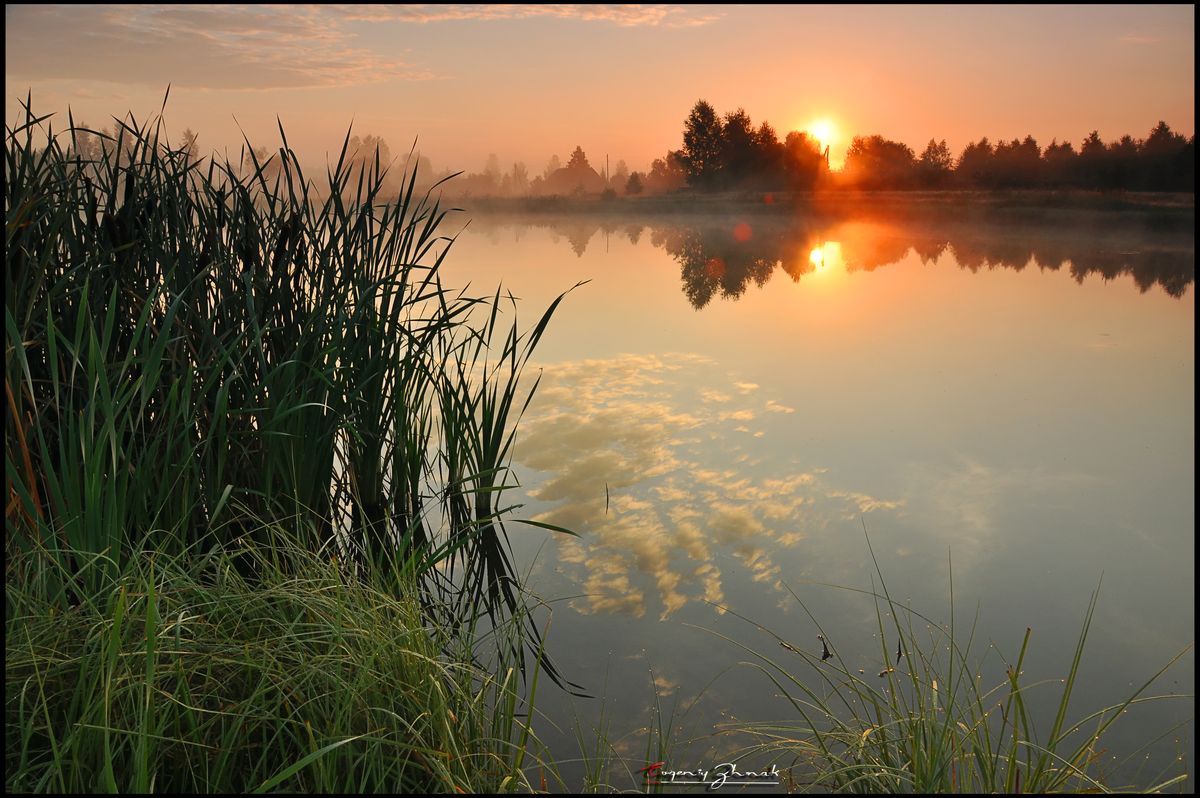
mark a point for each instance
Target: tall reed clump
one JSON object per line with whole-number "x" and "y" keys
{"x": 925, "y": 723}
{"x": 199, "y": 354}
{"x": 191, "y": 349}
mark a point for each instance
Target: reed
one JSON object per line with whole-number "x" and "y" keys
{"x": 194, "y": 347}
{"x": 926, "y": 722}
{"x": 256, "y": 467}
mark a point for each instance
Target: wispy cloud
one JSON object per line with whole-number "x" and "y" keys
{"x": 1133, "y": 38}
{"x": 624, "y": 15}
{"x": 208, "y": 47}
{"x": 252, "y": 47}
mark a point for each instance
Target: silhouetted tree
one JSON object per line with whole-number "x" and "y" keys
{"x": 1015, "y": 164}
{"x": 271, "y": 164}
{"x": 804, "y": 160}
{"x": 737, "y": 152}
{"x": 1093, "y": 161}
{"x": 975, "y": 164}
{"x": 769, "y": 155}
{"x": 702, "y": 145}
{"x": 935, "y": 164}
{"x": 1123, "y": 163}
{"x": 876, "y": 162}
{"x": 492, "y": 169}
{"x": 1059, "y": 164}
{"x": 633, "y": 185}
{"x": 578, "y": 160}
{"x": 88, "y": 146}
{"x": 552, "y": 166}
{"x": 668, "y": 173}
{"x": 620, "y": 175}
{"x": 1168, "y": 161}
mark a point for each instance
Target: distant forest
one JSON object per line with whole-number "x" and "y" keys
{"x": 730, "y": 153}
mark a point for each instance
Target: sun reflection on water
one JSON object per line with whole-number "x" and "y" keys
{"x": 826, "y": 257}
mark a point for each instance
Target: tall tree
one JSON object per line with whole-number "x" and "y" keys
{"x": 578, "y": 160}
{"x": 620, "y": 174}
{"x": 975, "y": 164}
{"x": 876, "y": 162}
{"x": 737, "y": 148}
{"x": 1059, "y": 163}
{"x": 668, "y": 173}
{"x": 520, "y": 178}
{"x": 768, "y": 153}
{"x": 701, "y": 152}
{"x": 804, "y": 159}
{"x": 935, "y": 164}
{"x": 1093, "y": 161}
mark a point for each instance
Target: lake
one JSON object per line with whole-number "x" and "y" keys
{"x": 732, "y": 407}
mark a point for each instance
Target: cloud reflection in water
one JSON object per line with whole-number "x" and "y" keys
{"x": 647, "y": 458}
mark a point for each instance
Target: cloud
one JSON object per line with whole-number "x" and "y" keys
{"x": 253, "y": 47}
{"x": 206, "y": 47}
{"x": 1133, "y": 38}
{"x": 623, "y": 15}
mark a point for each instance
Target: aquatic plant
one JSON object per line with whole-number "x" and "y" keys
{"x": 196, "y": 347}
{"x": 926, "y": 722}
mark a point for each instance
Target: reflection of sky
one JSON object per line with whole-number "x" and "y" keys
{"x": 646, "y": 457}
{"x": 1036, "y": 430}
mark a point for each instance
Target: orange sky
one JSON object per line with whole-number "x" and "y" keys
{"x": 526, "y": 82}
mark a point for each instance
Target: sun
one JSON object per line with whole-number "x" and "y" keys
{"x": 824, "y": 131}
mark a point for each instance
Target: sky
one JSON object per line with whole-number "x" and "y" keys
{"x": 526, "y": 82}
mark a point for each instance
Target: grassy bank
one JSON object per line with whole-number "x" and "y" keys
{"x": 182, "y": 675}
{"x": 256, "y": 462}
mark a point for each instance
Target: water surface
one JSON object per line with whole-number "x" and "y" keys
{"x": 730, "y": 402}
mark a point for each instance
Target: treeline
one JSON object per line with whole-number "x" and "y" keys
{"x": 729, "y": 152}
{"x": 577, "y": 178}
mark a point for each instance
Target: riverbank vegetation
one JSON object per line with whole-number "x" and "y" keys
{"x": 256, "y": 469}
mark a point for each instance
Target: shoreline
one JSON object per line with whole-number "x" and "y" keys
{"x": 834, "y": 202}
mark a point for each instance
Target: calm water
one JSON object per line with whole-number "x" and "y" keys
{"x": 728, "y": 403}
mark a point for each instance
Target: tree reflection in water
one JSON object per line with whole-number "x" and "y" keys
{"x": 722, "y": 257}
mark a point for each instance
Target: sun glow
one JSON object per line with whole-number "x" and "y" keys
{"x": 824, "y": 131}
{"x": 826, "y": 257}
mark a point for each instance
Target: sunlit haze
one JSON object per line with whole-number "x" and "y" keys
{"x": 528, "y": 82}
